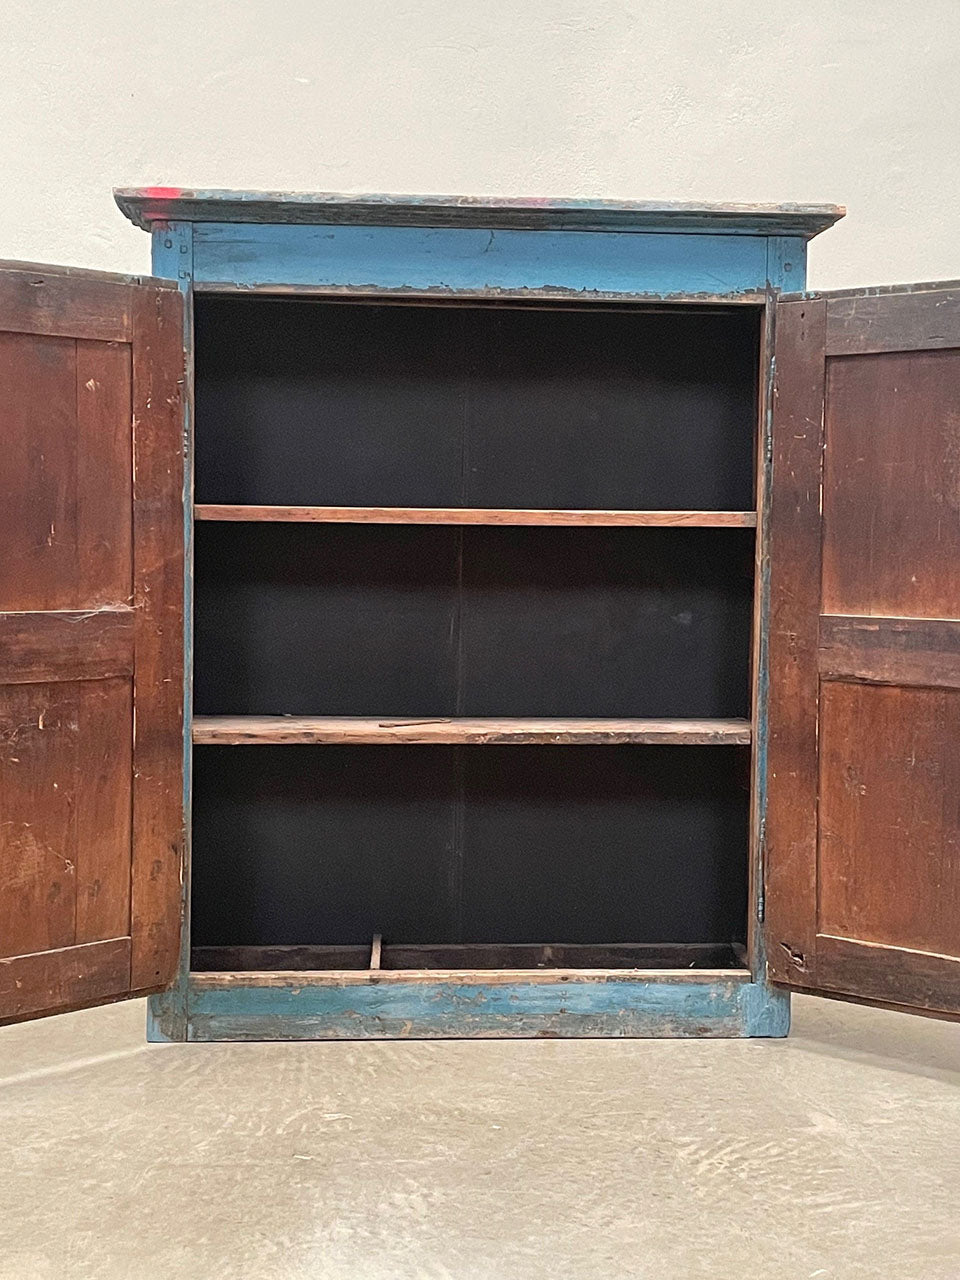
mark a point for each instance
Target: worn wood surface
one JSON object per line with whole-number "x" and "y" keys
{"x": 794, "y": 549}
{"x": 76, "y": 530}
{"x": 471, "y": 262}
{"x": 906, "y": 320}
{"x": 891, "y": 493}
{"x": 148, "y": 205}
{"x": 158, "y": 817}
{"x": 470, "y": 515}
{"x": 40, "y": 646}
{"x": 890, "y": 816}
{"x": 864, "y": 817}
{"x": 662, "y": 1004}
{"x": 914, "y": 981}
{"x": 64, "y": 978}
{"x": 358, "y": 729}
{"x": 903, "y": 651}
{"x": 47, "y": 301}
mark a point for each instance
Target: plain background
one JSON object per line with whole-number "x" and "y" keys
{"x": 852, "y": 101}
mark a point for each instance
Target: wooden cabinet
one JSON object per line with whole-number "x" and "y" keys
{"x": 477, "y": 618}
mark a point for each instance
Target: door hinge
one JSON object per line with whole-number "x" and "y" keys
{"x": 762, "y": 870}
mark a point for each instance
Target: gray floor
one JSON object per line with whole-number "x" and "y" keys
{"x": 835, "y": 1153}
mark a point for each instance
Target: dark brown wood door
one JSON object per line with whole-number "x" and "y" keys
{"x": 862, "y": 842}
{"x": 91, "y": 625}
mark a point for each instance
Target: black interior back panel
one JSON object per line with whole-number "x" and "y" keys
{"x": 311, "y": 402}
{"x": 404, "y": 620}
{"x": 319, "y": 845}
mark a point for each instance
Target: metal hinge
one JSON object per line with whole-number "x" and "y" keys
{"x": 762, "y": 889}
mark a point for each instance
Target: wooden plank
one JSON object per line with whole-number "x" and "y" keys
{"x": 903, "y": 651}
{"x": 888, "y": 974}
{"x": 794, "y": 549}
{"x": 66, "y": 645}
{"x": 46, "y": 981}
{"x": 39, "y": 751}
{"x": 376, "y": 951}
{"x": 471, "y": 262}
{"x": 477, "y": 515}
{"x": 46, "y": 301}
{"x": 359, "y": 730}
{"x": 148, "y": 205}
{"x": 286, "y": 1007}
{"x": 38, "y": 530}
{"x": 910, "y": 320}
{"x": 362, "y": 975}
{"x": 104, "y": 473}
{"x": 158, "y": 818}
{"x": 891, "y": 485}
{"x": 104, "y": 783}
{"x": 528, "y": 957}
{"x": 889, "y": 853}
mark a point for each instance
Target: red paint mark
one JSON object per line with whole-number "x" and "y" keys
{"x": 163, "y": 193}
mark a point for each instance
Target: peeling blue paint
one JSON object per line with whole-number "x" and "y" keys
{"x": 445, "y": 261}
{"x": 472, "y": 261}
{"x": 726, "y": 1007}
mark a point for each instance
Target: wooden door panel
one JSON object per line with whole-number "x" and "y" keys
{"x": 862, "y": 840}
{"x": 65, "y": 486}
{"x": 65, "y": 779}
{"x": 891, "y": 485}
{"x": 91, "y": 670}
{"x": 890, "y": 808}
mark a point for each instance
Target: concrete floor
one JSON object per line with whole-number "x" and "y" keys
{"x": 833, "y": 1154}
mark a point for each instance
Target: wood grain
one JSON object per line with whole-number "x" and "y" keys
{"x": 51, "y": 302}
{"x": 66, "y": 644}
{"x": 908, "y": 320}
{"x": 39, "y": 752}
{"x": 791, "y": 833}
{"x": 359, "y": 729}
{"x": 890, "y": 816}
{"x": 865, "y": 873}
{"x": 475, "y": 515}
{"x": 158, "y": 571}
{"x": 917, "y": 980}
{"x": 902, "y": 651}
{"x": 78, "y": 387}
{"x": 891, "y": 485}
{"x": 66, "y": 978}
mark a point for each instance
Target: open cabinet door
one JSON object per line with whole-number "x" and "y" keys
{"x": 862, "y": 838}
{"x": 91, "y": 626}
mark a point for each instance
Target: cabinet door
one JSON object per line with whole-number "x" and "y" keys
{"x": 91, "y": 626}
{"x": 862, "y": 833}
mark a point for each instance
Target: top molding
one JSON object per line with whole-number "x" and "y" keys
{"x": 147, "y": 206}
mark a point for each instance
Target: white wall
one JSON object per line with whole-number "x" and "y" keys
{"x": 853, "y": 101}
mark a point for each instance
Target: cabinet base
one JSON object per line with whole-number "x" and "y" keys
{"x": 264, "y": 1006}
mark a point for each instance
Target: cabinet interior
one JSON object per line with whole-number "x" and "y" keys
{"x": 629, "y": 854}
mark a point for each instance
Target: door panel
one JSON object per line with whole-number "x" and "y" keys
{"x": 91, "y": 667}
{"x": 862, "y": 846}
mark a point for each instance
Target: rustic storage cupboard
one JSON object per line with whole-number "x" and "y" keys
{"x": 434, "y": 617}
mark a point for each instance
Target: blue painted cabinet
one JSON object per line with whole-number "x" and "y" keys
{"x": 537, "y": 855}
{"x": 489, "y": 506}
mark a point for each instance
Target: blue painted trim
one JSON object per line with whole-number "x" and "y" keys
{"x": 468, "y": 261}
{"x": 172, "y": 258}
{"x": 786, "y": 263}
{"x": 725, "y": 1007}
{"x": 445, "y": 262}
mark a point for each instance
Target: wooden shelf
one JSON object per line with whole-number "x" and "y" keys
{"x": 358, "y": 730}
{"x": 472, "y": 515}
